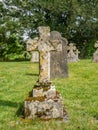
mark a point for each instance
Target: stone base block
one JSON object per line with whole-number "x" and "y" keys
{"x": 45, "y": 103}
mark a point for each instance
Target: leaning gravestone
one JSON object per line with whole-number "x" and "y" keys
{"x": 44, "y": 101}
{"x": 95, "y": 55}
{"x": 58, "y": 59}
{"x": 72, "y": 54}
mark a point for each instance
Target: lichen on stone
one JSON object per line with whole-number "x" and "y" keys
{"x": 44, "y": 85}
{"x": 27, "y": 112}
{"x": 41, "y": 98}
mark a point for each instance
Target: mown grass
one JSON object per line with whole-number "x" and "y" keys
{"x": 79, "y": 92}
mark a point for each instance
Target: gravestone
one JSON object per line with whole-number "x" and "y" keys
{"x": 72, "y": 54}
{"x": 44, "y": 102}
{"x": 95, "y": 55}
{"x": 58, "y": 59}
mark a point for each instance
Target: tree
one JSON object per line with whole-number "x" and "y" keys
{"x": 77, "y": 20}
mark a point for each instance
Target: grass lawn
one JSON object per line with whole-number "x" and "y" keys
{"x": 79, "y": 92}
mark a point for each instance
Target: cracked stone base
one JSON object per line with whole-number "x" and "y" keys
{"x": 45, "y": 103}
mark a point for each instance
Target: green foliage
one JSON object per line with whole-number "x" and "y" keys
{"x": 77, "y": 20}
{"x": 11, "y": 46}
{"x": 79, "y": 92}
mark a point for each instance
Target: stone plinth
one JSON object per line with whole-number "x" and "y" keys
{"x": 45, "y": 103}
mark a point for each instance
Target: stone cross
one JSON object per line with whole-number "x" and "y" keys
{"x": 44, "y": 45}
{"x": 71, "y": 47}
{"x": 58, "y": 59}
{"x": 71, "y": 55}
{"x": 44, "y": 101}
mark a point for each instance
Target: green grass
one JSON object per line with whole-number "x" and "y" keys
{"x": 79, "y": 92}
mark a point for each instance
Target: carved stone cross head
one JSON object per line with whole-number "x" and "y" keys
{"x": 32, "y": 45}
{"x": 77, "y": 51}
{"x": 71, "y": 47}
{"x": 45, "y": 42}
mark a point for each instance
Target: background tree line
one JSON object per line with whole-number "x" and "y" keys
{"x": 77, "y": 20}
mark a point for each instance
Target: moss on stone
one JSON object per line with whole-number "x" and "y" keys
{"x": 46, "y": 88}
{"x": 30, "y": 94}
{"x": 57, "y": 94}
{"x": 39, "y": 85}
{"x": 27, "y": 112}
{"x": 41, "y": 113}
{"x": 41, "y": 98}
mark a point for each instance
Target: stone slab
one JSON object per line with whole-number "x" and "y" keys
{"x": 48, "y": 105}
{"x": 58, "y": 59}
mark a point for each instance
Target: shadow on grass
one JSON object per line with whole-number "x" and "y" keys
{"x": 8, "y": 103}
{"x": 13, "y": 60}
{"x": 20, "y": 111}
{"x": 20, "y": 106}
{"x": 30, "y": 74}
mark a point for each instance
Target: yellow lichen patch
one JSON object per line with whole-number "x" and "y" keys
{"x": 43, "y": 66}
{"x": 41, "y": 57}
{"x": 37, "y": 87}
{"x": 46, "y": 88}
{"x": 43, "y": 85}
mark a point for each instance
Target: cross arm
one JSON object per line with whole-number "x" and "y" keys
{"x": 32, "y": 44}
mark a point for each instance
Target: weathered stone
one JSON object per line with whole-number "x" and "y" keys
{"x": 51, "y": 93}
{"x": 52, "y": 107}
{"x": 77, "y": 54}
{"x": 95, "y": 55}
{"x": 58, "y": 59}
{"x": 55, "y": 113}
{"x": 44, "y": 101}
{"x": 44, "y": 45}
{"x": 37, "y": 92}
{"x": 72, "y": 54}
{"x": 31, "y": 42}
{"x": 34, "y": 56}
